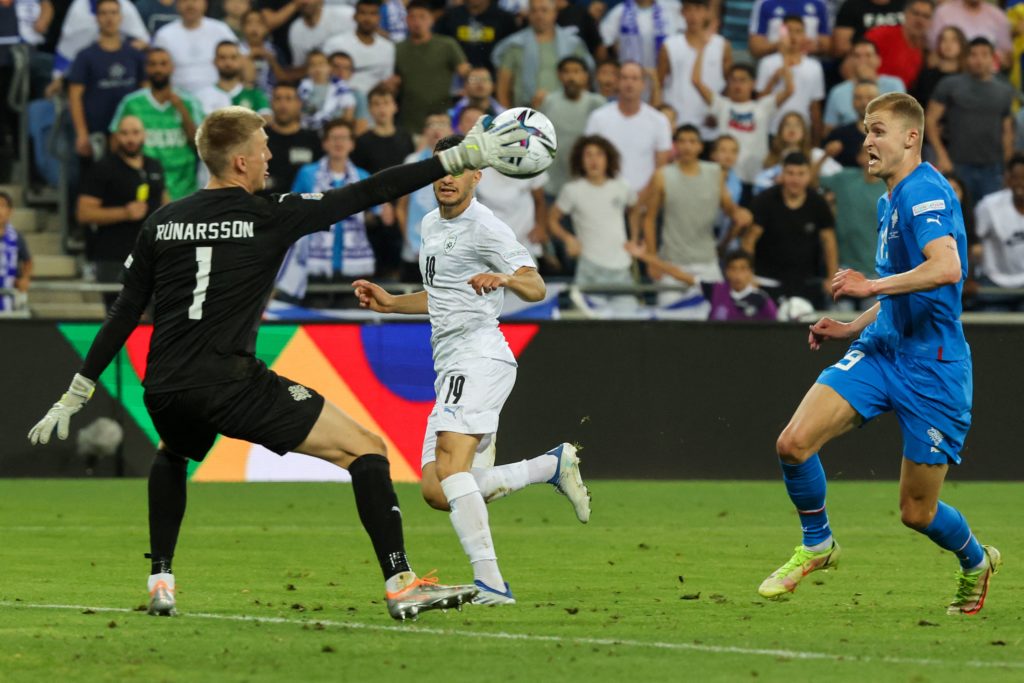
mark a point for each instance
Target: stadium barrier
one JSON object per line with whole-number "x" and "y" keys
{"x": 665, "y": 400}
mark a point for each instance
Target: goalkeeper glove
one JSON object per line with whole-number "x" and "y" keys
{"x": 60, "y": 414}
{"x": 483, "y": 148}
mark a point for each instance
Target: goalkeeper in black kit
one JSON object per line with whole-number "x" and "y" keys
{"x": 208, "y": 263}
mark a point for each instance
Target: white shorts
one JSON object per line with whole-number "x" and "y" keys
{"x": 470, "y": 396}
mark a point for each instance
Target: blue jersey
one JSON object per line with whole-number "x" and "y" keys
{"x": 923, "y": 207}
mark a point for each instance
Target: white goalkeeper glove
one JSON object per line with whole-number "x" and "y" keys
{"x": 60, "y": 414}
{"x": 483, "y": 148}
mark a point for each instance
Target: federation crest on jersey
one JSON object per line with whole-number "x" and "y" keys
{"x": 449, "y": 242}
{"x": 299, "y": 392}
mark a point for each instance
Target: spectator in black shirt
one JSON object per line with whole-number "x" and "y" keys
{"x": 575, "y": 15}
{"x": 793, "y": 238}
{"x": 477, "y": 25}
{"x": 292, "y": 145}
{"x": 857, "y": 17}
{"x": 117, "y": 195}
{"x": 383, "y": 145}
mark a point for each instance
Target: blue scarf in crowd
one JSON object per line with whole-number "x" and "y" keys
{"x": 8, "y": 265}
{"x": 344, "y": 249}
{"x": 393, "y": 20}
{"x": 631, "y": 44}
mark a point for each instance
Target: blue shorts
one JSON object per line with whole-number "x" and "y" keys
{"x": 931, "y": 398}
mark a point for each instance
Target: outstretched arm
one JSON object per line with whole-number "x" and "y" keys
{"x": 641, "y": 254}
{"x": 376, "y": 298}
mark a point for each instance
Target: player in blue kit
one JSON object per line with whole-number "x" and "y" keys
{"x": 910, "y": 358}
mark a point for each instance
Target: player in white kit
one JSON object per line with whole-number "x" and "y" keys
{"x": 467, "y": 257}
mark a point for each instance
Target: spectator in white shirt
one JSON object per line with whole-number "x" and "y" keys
{"x": 315, "y": 24}
{"x": 372, "y": 53}
{"x": 1000, "y": 229}
{"x": 192, "y": 43}
{"x": 639, "y": 132}
{"x": 808, "y": 77}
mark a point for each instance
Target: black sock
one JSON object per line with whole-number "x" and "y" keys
{"x": 378, "y": 511}
{"x": 167, "y": 479}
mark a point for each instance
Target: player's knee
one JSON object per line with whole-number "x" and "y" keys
{"x": 791, "y": 447}
{"x": 915, "y": 514}
{"x": 167, "y": 458}
{"x": 434, "y": 497}
{"x": 373, "y": 444}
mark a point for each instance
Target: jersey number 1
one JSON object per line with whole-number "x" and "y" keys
{"x": 204, "y": 257}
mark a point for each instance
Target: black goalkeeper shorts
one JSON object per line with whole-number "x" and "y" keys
{"x": 269, "y": 410}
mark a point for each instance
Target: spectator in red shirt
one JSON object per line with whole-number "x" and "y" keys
{"x": 902, "y": 47}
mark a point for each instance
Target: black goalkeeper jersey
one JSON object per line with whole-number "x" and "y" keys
{"x": 209, "y": 262}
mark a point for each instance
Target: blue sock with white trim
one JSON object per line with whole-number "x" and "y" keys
{"x": 805, "y": 484}
{"x": 949, "y": 530}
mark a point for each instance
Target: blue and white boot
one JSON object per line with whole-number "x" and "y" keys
{"x": 492, "y": 596}
{"x": 568, "y": 482}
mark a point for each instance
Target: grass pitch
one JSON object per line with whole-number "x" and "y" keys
{"x": 276, "y": 583}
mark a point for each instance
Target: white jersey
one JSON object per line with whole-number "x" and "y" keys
{"x": 463, "y": 323}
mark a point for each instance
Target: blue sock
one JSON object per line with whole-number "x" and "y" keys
{"x": 805, "y": 484}
{"x": 949, "y": 530}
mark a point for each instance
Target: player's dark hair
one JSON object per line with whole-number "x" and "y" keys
{"x": 1016, "y": 160}
{"x": 980, "y": 41}
{"x": 686, "y": 128}
{"x": 738, "y": 255}
{"x": 222, "y": 43}
{"x": 864, "y": 41}
{"x": 722, "y": 138}
{"x": 448, "y": 141}
{"x": 10, "y": 202}
{"x": 338, "y": 123}
{"x": 745, "y": 68}
{"x": 614, "y": 160}
{"x": 796, "y": 159}
{"x": 380, "y": 90}
{"x": 572, "y": 59}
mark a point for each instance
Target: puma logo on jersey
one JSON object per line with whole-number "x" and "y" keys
{"x": 299, "y": 392}
{"x": 930, "y": 219}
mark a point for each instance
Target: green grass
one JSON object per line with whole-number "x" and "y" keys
{"x": 595, "y": 600}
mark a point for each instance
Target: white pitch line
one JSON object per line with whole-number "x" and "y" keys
{"x": 571, "y": 640}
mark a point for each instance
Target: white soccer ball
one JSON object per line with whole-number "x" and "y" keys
{"x": 541, "y": 145}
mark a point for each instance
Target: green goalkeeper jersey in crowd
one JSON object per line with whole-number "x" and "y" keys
{"x": 165, "y": 138}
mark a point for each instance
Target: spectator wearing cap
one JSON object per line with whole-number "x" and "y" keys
{"x": 969, "y": 122}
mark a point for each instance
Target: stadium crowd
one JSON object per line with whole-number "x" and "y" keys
{"x": 721, "y": 138}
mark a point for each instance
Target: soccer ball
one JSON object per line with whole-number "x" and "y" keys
{"x": 541, "y": 145}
